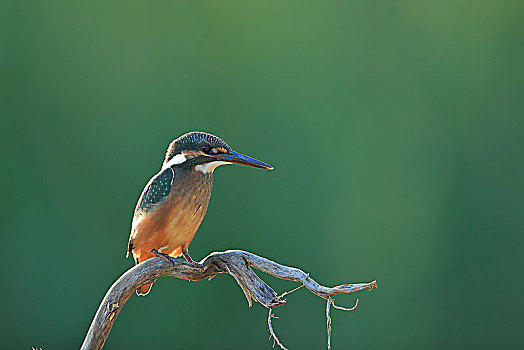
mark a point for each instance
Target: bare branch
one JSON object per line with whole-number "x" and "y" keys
{"x": 331, "y": 301}
{"x": 328, "y": 321}
{"x": 272, "y": 332}
{"x": 289, "y": 292}
{"x": 234, "y": 262}
{"x": 344, "y": 308}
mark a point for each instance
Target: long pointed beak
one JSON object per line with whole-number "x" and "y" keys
{"x": 242, "y": 159}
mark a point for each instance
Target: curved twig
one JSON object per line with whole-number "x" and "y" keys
{"x": 234, "y": 262}
{"x": 272, "y": 332}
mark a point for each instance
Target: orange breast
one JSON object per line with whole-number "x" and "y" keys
{"x": 173, "y": 222}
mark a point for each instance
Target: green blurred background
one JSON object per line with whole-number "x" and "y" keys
{"x": 396, "y": 132}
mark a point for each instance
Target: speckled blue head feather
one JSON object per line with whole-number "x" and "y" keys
{"x": 194, "y": 140}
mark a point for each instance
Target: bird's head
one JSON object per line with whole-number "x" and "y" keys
{"x": 204, "y": 152}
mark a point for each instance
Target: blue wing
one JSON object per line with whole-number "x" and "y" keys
{"x": 156, "y": 189}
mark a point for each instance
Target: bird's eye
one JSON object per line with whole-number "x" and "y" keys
{"x": 209, "y": 150}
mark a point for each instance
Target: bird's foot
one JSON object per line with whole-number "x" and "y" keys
{"x": 200, "y": 266}
{"x": 164, "y": 256}
{"x": 189, "y": 260}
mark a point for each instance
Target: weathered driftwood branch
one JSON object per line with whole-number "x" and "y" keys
{"x": 234, "y": 262}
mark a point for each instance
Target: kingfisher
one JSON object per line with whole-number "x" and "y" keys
{"x": 175, "y": 200}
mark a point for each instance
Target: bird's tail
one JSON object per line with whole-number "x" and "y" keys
{"x": 144, "y": 289}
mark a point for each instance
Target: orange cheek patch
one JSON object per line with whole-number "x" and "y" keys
{"x": 190, "y": 154}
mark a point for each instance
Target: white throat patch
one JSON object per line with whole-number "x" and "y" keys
{"x": 178, "y": 159}
{"x": 210, "y": 167}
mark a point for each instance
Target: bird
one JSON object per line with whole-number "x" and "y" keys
{"x": 175, "y": 200}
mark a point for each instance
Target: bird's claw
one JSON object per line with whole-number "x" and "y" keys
{"x": 197, "y": 265}
{"x": 164, "y": 256}
{"x": 172, "y": 260}
{"x": 191, "y": 261}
